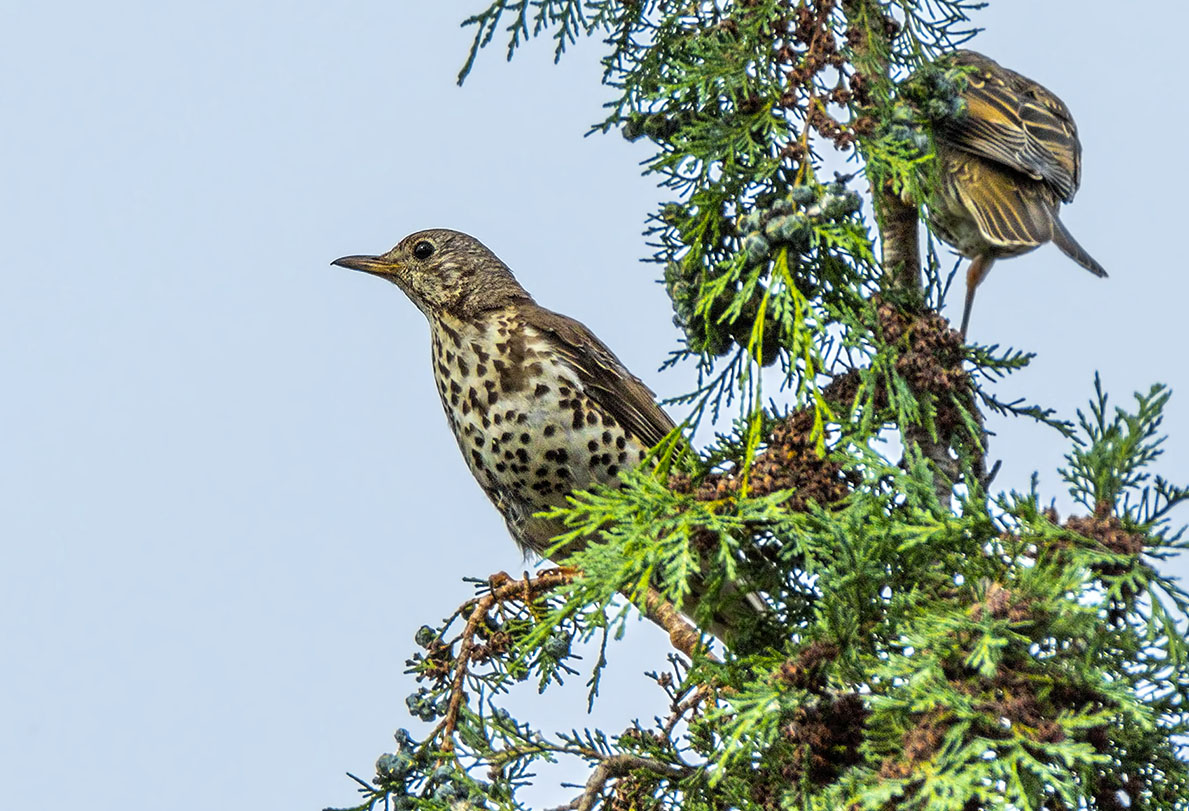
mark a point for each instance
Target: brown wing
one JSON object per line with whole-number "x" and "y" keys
{"x": 620, "y": 393}
{"x": 1016, "y": 122}
{"x": 1014, "y": 214}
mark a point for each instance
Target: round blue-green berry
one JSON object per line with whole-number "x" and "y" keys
{"x": 755, "y": 248}
{"x": 774, "y": 227}
{"x": 557, "y": 646}
{"x": 803, "y": 195}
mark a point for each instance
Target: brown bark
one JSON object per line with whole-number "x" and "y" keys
{"x": 899, "y": 224}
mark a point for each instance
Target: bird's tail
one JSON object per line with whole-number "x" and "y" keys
{"x": 1070, "y": 247}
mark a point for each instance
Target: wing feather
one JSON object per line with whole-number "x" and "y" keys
{"x": 1011, "y": 215}
{"x": 1018, "y": 123}
{"x": 605, "y": 379}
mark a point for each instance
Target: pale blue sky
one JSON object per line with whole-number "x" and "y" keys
{"x": 228, "y": 496}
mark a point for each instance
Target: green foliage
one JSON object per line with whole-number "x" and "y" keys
{"x": 923, "y": 642}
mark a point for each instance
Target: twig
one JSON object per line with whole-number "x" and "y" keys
{"x": 617, "y": 766}
{"x": 701, "y": 693}
{"x": 683, "y": 636}
{"x": 525, "y": 590}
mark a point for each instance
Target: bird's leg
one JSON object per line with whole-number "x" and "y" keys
{"x": 977, "y": 271}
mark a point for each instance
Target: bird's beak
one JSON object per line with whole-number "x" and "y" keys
{"x": 376, "y": 265}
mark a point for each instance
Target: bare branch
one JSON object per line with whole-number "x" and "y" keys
{"x": 618, "y": 766}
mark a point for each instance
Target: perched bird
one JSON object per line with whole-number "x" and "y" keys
{"x": 540, "y": 406}
{"x": 1006, "y": 164}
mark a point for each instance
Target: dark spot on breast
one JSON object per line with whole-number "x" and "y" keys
{"x": 620, "y": 441}
{"x": 512, "y": 376}
{"x": 563, "y": 403}
{"x": 564, "y": 391}
{"x": 541, "y": 472}
{"x": 563, "y": 473}
{"x": 642, "y": 453}
{"x": 522, "y": 455}
{"x": 562, "y": 455}
{"x": 506, "y": 436}
{"x": 450, "y": 333}
{"x": 623, "y": 457}
{"x": 541, "y": 390}
{"x": 551, "y": 456}
{"x": 500, "y": 467}
{"x": 535, "y": 369}
{"x": 475, "y": 455}
{"x": 549, "y": 430}
{"x": 606, "y": 437}
{"x": 486, "y": 422}
{"x": 578, "y": 421}
{"x": 611, "y": 471}
{"x": 592, "y": 445}
{"x": 480, "y": 369}
{"x": 592, "y": 417}
{"x": 521, "y": 419}
{"x": 524, "y": 438}
{"x": 478, "y": 440}
{"x": 477, "y": 349}
{"x": 497, "y": 419}
{"x": 508, "y": 456}
{"x": 463, "y": 368}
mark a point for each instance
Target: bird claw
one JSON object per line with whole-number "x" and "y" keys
{"x": 499, "y": 579}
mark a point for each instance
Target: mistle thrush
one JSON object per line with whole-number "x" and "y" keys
{"x": 540, "y": 406}
{"x": 1005, "y": 166}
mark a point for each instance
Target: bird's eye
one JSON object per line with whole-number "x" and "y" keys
{"x": 423, "y": 250}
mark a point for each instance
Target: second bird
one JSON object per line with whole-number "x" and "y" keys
{"x": 1005, "y": 167}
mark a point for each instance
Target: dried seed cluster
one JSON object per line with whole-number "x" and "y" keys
{"x": 930, "y": 359}
{"x": 790, "y": 462}
{"x": 807, "y": 670}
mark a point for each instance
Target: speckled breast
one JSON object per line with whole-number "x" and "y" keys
{"x": 527, "y": 429}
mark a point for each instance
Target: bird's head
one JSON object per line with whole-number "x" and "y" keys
{"x": 443, "y": 271}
